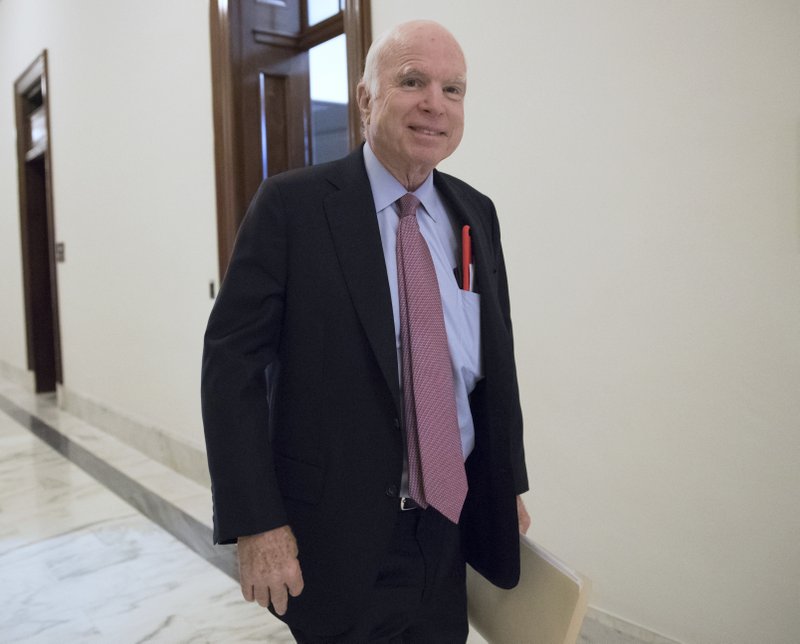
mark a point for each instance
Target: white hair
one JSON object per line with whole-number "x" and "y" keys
{"x": 375, "y": 56}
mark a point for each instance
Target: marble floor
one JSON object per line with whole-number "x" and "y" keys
{"x": 85, "y": 561}
{"x": 100, "y": 544}
{"x": 79, "y": 564}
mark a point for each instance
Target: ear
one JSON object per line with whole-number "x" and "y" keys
{"x": 364, "y": 101}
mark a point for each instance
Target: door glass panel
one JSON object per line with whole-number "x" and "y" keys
{"x": 319, "y": 10}
{"x": 328, "y": 71}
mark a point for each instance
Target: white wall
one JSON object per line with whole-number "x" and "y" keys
{"x": 644, "y": 159}
{"x": 12, "y": 322}
{"x": 134, "y": 200}
{"x": 643, "y": 155}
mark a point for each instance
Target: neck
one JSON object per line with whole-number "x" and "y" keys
{"x": 410, "y": 177}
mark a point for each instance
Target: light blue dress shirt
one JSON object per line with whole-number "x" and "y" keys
{"x": 461, "y": 308}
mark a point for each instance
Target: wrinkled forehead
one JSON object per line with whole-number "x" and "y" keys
{"x": 434, "y": 51}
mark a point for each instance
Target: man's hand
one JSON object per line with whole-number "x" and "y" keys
{"x": 523, "y": 517}
{"x": 268, "y": 568}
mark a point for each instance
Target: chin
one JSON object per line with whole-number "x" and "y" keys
{"x": 430, "y": 155}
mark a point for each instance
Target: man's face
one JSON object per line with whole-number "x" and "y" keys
{"x": 416, "y": 118}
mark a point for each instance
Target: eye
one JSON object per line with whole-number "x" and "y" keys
{"x": 410, "y": 82}
{"x": 454, "y": 91}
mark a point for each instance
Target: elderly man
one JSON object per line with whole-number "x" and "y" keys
{"x": 360, "y": 399}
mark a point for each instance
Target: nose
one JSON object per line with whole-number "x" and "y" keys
{"x": 433, "y": 99}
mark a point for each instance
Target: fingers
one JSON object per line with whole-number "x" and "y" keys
{"x": 277, "y": 595}
{"x": 523, "y": 517}
{"x": 280, "y": 599}
{"x": 262, "y": 595}
{"x": 295, "y": 584}
{"x": 269, "y": 569}
{"x": 291, "y": 584}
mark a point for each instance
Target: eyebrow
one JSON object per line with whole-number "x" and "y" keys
{"x": 410, "y": 71}
{"x": 414, "y": 71}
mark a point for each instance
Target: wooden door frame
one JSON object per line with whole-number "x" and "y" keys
{"x": 225, "y": 57}
{"x": 34, "y": 79}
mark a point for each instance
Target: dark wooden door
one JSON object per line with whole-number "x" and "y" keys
{"x": 37, "y": 227}
{"x": 262, "y": 103}
{"x": 275, "y": 106}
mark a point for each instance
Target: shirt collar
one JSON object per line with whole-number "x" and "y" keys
{"x": 386, "y": 190}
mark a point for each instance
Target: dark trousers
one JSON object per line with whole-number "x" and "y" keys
{"x": 420, "y": 594}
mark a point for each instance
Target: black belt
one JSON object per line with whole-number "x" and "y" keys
{"x": 407, "y": 503}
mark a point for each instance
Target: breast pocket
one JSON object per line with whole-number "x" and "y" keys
{"x": 470, "y": 306}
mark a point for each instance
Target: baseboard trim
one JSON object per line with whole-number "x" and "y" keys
{"x": 175, "y": 452}
{"x": 19, "y": 376}
{"x": 631, "y": 630}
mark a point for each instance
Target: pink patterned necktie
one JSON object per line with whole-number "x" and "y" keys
{"x": 436, "y": 473}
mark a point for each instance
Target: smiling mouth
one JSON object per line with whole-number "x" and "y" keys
{"x": 426, "y": 131}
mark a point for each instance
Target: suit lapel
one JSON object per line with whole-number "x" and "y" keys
{"x": 466, "y": 212}
{"x": 354, "y": 228}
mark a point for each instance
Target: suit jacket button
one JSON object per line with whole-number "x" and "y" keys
{"x": 391, "y": 491}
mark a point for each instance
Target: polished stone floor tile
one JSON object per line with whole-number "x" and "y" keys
{"x": 80, "y": 565}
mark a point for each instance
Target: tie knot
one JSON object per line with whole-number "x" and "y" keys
{"x": 408, "y": 205}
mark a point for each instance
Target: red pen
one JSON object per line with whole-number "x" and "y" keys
{"x": 466, "y": 258}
